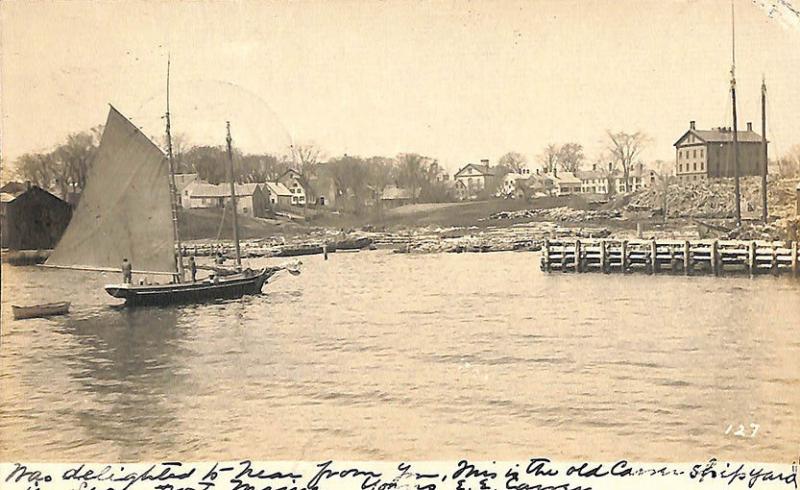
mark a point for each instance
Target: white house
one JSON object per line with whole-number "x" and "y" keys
{"x": 567, "y": 183}
{"x": 509, "y": 185}
{"x": 292, "y": 180}
{"x": 472, "y": 179}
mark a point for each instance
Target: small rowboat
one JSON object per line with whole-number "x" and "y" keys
{"x": 38, "y": 311}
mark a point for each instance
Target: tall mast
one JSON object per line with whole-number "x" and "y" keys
{"x": 764, "y": 159}
{"x": 736, "y": 189}
{"x": 233, "y": 199}
{"x": 173, "y": 194}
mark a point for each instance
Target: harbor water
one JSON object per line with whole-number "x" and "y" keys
{"x": 375, "y": 355}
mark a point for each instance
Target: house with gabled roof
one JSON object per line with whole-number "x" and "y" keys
{"x": 706, "y": 154}
{"x": 473, "y": 179}
{"x": 250, "y": 198}
{"x": 294, "y": 182}
{"x": 279, "y": 195}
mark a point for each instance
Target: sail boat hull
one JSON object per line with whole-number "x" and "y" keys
{"x": 229, "y": 287}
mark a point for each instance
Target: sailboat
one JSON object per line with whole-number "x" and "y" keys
{"x": 128, "y": 210}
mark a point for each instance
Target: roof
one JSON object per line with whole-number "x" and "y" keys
{"x": 482, "y": 169}
{"x": 567, "y": 178}
{"x": 589, "y": 174}
{"x": 7, "y": 197}
{"x": 721, "y": 135}
{"x": 515, "y": 176}
{"x": 278, "y": 189}
{"x": 13, "y": 188}
{"x": 203, "y": 189}
{"x": 291, "y": 171}
{"x": 183, "y": 180}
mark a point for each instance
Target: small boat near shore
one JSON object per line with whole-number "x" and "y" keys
{"x": 40, "y": 311}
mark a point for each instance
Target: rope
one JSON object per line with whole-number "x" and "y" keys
{"x": 221, "y": 222}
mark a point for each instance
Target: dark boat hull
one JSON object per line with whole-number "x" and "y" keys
{"x": 231, "y": 287}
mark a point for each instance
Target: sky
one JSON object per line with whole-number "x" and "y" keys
{"x": 454, "y": 80}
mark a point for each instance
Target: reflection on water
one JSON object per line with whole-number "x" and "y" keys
{"x": 379, "y": 356}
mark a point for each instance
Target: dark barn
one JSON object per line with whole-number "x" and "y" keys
{"x": 35, "y": 219}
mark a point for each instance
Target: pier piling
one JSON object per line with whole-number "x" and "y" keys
{"x": 718, "y": 257}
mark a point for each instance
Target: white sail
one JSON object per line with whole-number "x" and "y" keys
{"x": 124, "y": 211}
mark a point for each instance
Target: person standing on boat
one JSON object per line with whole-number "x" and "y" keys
{"x": 193, "y": 268}
{"x": 127, "y": 271}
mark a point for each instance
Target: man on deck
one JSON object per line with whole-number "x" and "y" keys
{"x": 127, "y": 271}
{"x": 193, "y": 268}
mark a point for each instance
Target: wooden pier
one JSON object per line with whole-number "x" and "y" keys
{"x": 715, "y": 257}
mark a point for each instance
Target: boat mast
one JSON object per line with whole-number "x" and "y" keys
{"x": 736, "y": 189}
{"x": 233, "y": 199}
{"x": 764, "y": 212}
{"x": 173, "y": 191}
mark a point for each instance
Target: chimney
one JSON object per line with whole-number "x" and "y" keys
{"x": 749, "y": 126}
{"x": 610, "y": 166}
{"x": 28, "y": 185}
{"x": 485, "y": 161}
{"x": 537, "y": 171}
{"x": 691, "y": 124}
{"x": 594, "y": 166}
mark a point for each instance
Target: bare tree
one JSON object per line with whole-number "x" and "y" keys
{"x": 789, "y": 163}
{"x": 664, "y": 177}
{"x": 609, "y": 170}
{"x": 74, "y": 159}
{"x": 513, "y": 161}
{"x": 40, "y": 169}
{"x": 305, "y": 159}
{"x": 570, "y": 157}
{"x": 625, "y": 149}
{"x": 413, "y": 171}
{"x": 549, "y": 158}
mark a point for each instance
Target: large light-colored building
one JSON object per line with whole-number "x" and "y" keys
{"x": 472, "y": 179}
{"x": 703, "y": 154}
{"x": 250, "y": 198}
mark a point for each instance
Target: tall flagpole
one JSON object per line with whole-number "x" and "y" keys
{"x": 173, "y": 193}
{"x": 736, "y": 190}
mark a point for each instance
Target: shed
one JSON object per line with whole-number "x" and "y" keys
{"x": 34, "y": 219}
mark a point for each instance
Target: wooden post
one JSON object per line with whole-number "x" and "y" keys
{"x": 687, "y": 257}
{"x": 751, "y": 258}
{"x": 603, "y": 258}
{"x": 624, "y": 256}
{"x": 653, "y": 256}
{"x": 546, "y": 254}
{"x": 794, "y": 258}
{"x": 714, "y": 258}
{"x": 578, "y": 256}
{"x": 774, "y": 260}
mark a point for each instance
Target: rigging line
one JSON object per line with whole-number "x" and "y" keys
{"x": 221, "y": 222}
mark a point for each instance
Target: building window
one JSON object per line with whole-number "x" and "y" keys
{"x": 701, "y": 153}
{"x": 701, "y": 165}
{"x": 695, "y": 167}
